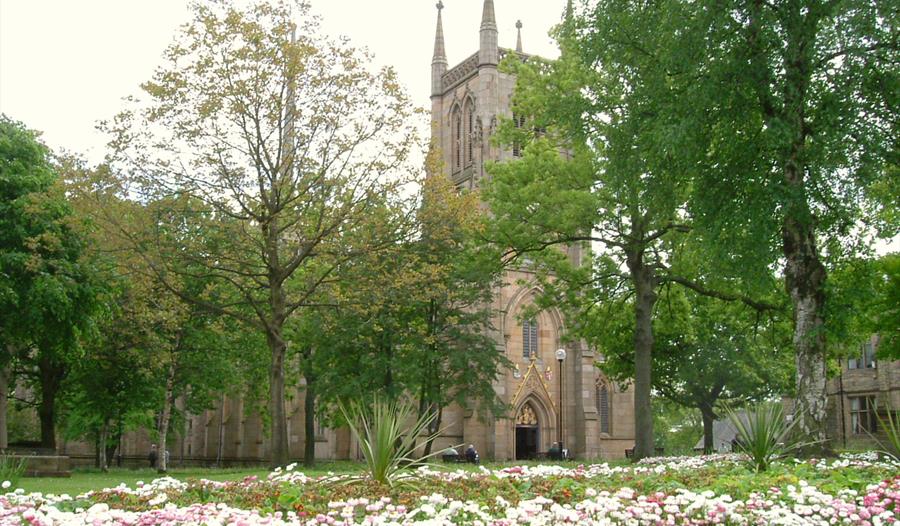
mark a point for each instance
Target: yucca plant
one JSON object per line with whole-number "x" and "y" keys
{"x": 891, "y": 426}
{"x": 387, "y": 432}
{"x": 764, "y": 435}
{"x": 11, "y": 469}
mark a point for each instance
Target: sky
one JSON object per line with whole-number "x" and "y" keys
{"x": 66, "y": 64}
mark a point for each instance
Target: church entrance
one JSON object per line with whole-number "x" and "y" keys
{"x": 527, "y": 437}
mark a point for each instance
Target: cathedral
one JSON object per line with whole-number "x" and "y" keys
{"x": 554, "y": 394}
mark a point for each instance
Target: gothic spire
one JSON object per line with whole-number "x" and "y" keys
{"x": 439, "y": 60}
{"x": 488, "y": 20}
{"x": 488, "y": 50}
{"x": 519, "y": 36}
{"x": 440, "y": 54}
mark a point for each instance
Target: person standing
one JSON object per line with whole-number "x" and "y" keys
{"x": 153, "y": 456}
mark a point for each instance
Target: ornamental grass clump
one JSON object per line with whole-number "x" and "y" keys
{"x": 387, "y": 433}
{"x": 764, "y": 434}
{"x": 891, "y": 428}
{"x": 11, "y": 470}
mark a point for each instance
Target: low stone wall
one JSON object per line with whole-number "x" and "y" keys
{"x": 45, "y": 465}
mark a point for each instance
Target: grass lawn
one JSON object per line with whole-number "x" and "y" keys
{"x": 84, "y": 480}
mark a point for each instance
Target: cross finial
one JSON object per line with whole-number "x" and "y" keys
{"x": 519, "y": 36}
{"x": 439, "y": 5}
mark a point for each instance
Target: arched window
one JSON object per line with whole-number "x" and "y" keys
{"x": 470, "y": 132}
{"x": 518, "y": 122}
{"x": 456, "y": 137}
{"x": 529, "y": 338}
{"x": 603, "y": 405}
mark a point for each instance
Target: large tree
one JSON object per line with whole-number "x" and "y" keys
{"x": 619, "y": 187}
{"x": 416, "y": 321}
{"x": 707, "y": 354}
{"x": 795, "y": 104}
{"x": 47, "y": 287}
{"x": 288, "y": 138}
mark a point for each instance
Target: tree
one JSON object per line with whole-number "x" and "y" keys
{"x": 795, "y": 105}
{"x": 177, "y": 349}
{"x": 47, "y": 287}
{"x": 415, "y": 321}
{"x": 707, "y": 354}
{"x": 619, "y": 186}
{"x": 288, "y": 139}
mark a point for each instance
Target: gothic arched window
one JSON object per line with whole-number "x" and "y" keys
{"x": 456, "y": 137}
{"x": 529, "y": 338}
{"x": 519, "y": 123}
{"x": 603, "y": 404}
{"x": 470, "y": 131}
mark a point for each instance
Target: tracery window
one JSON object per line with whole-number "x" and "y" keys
{"x": 518, "y": 122}
{"x": 529, "y": 338}
{"x": 456, "y": 137}
{"x": 470, "y": 132}
{"x": 603, "y": 404}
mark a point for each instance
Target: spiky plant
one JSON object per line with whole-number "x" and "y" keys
{"x": 387, "y": 433}
{"x": 764, "y": 434}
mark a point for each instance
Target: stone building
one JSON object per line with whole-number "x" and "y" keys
{"x": 596, "y": 415}
{"x": 550, "y": 401}
{"x": 863, "y": 386}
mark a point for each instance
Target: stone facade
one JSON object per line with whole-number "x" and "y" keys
{"x": 863, "y": 385}
{"x": 467, "y": 101}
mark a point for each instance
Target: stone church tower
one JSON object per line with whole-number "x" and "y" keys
{"x": 595, "y": 415}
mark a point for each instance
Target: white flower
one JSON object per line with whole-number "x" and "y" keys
{"x": 6, "y": 484}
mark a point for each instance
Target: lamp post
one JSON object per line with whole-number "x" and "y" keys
{"x": 560, "y": 356}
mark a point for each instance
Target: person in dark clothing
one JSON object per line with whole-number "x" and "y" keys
{"x": 153, "y": 456}
{"x": 471, "y": 454}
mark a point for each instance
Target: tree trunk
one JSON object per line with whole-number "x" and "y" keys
{"x": 709, "y": 418}
{"x": 220, "y": 447}
{"x": 51, "y": 375}
{"x": 645, "y": 299}
{"x": 4, "y": 403}
{"x": 432, "y": 430}
{"x": 101, "y": 446}
{"x": 162, "y": 465}
{"x": 309, "y": 448}
{"x": 279, "y": 440}
{"x": 805, "y": 282}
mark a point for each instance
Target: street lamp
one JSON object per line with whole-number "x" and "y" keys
{"x": 560, "y": 356}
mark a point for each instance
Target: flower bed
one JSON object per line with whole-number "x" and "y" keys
{"x": 687, "y": 490}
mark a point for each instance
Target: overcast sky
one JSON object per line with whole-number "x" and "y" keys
{"x": 65, "y": 64}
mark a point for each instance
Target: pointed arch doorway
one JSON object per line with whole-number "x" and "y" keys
{"x": 527, "y": 432}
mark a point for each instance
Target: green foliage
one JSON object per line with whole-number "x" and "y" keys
{"x": 890, "y": 426}
{"x": 764, "y": 434}
{"x": 11, "y": 469}
{"x": 388, "y": 434}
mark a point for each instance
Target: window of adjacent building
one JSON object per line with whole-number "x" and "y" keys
{"x": 603, "y": 404}
{"x": 865, "y": 359}
{"x": 862, "y": 415}
{"x": 529, "y": 338}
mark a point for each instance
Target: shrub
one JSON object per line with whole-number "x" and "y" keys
{"x": 387, "y": 433}
{"x": 764, "y": 434}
